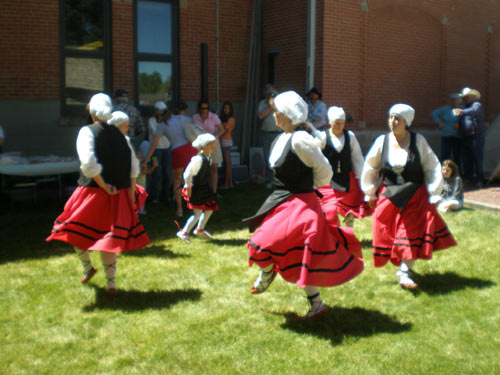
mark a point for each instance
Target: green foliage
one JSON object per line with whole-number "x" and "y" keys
{"x": 186, "y": 308}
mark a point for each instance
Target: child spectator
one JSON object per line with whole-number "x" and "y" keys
{"x": 453, "y": 190}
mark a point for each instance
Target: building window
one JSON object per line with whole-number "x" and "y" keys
{"x": 85, "y": 52}
{"x": 155, "y": 51}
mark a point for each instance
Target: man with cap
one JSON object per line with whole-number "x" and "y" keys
{"x": 317, "y": 109}
{"x": 448, "y": 123}
{"x": 136, "y": 124}
{"x": 268, "y": 130}
{"x": 473, "y": 132}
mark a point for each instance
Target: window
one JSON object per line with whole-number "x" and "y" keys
{"x": 85, "y": 52}
{"x": 156, "y": 51}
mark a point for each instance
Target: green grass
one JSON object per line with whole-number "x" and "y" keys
{"x": 186, "y": 309}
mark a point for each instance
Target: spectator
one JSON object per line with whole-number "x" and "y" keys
{"x": 448, "y": 123}
{"x": 268, "y": 130}
{"x": 136, "y": 124}
{"x": 210, "y": 122}
{"x": 2, "y": 139}
{"x": 453, "y": 190}
{"x": 473, "y": 132}
{"x": 317, "y": 109}
{"x": 227, "y": 118}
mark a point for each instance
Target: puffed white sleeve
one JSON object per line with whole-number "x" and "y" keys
{"x": 308, "y": 151}
{"x": 192, "y": 170}
{"x": 432, "y": 169}
{"x": 356, "y": 155}
{"x": 135, "y": 167}
{"x": 86, "y": 153}
{"x": 370, "y": 174}
{"x": 318, "y": 135}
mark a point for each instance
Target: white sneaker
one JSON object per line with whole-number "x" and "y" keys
{"x": 202, "y": 233}
{"x": 183, "y": 236}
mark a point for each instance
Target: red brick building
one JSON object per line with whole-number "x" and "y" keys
{"x": 365, "y": 55}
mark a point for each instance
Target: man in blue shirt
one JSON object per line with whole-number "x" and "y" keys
{"x": 317, "y": 110}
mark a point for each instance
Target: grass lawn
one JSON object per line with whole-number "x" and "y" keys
{"x": 186, "y": 308}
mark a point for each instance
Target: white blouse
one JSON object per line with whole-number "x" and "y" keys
{"x": 308, "y": 151}
{"x": 192, "y": 169}
{"x": 164, "y": 142}
{"x": 356, "y": 154}
{"x": 397, "y": 156}
{"x": 88, "y": 161}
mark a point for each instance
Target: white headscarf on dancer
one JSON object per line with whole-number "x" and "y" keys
{"x": 405, "y": 111}
{"x": 118, "y": 118}
{"x": 335, "y": 113}
{"x": 292, "y": 106}
{"x": 100, "y": 106}
{"x": 203, "y": 140}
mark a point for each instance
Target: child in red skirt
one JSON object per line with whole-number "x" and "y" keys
{"x": 402, "y": 179}
{"x": 197, "y": 193}
{"x": 100, "y": 214}
{"x": 293, "y": 236}
{"x": 343, "y": 195}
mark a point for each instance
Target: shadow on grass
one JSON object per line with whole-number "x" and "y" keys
{"x": 366, "y": 244}
{"x": 230, "y": 241}
{"x": 36, "y": 251}
{"x": 136, "y": 300}
{"x": 156, "y": 251}
{"x": 340, "y": 323}
{"x": 443, "y": 283}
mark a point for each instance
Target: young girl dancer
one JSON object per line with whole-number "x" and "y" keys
{"x": 294, "y": 237}
{"x": 197, "y": 193}
{"x": 343, "y": 196}
{"x": 453, "y": 189}
{"x": 402, "y": 179}
{"x": 100, "y": 215}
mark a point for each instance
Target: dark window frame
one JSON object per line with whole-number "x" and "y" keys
{"x": 105, "y": 55}
{"x": 172, "y": 58}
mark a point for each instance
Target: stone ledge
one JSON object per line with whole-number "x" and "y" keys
{"x": 482, "y": 206}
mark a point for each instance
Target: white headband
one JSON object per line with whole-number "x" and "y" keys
{"x": 292, "y": 106}
{"x": 100, "y": 106}
{"x": 160, "y": 106}
{"x": 405, "y": 111}
{"x": 203, "y": 139}
{"x": 336, "y": 113}
{"x": 118, "y": 118}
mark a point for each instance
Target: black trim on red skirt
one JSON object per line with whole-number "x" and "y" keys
{"x": 97, "y": 230}
{"x": 254, "y": 245}
{"x": 330, "y": 270}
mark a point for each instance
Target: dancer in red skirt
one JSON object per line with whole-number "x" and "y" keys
{"x": 294, "y": 237}
{"x": 343, "y": 195}
{"x": 197, "y": 193}
{"x": 100, "y": 215}
{"x": 402, "y": 179}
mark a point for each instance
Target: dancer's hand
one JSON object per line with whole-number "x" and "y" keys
{"x": 188, "y": 192}
{"x": 371, "y": 202}
{"x": 110, "y": 189}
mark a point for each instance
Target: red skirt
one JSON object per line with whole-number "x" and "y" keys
{"x": 140, "y": 196}
{"x": 181, "y": 156}
{"x": 304, "y": 249}
{"x": 207, "y": 206}
{"x": 95, "y": 220}
{"x": 344, "y": 203}
{"x": 413, "y": 233}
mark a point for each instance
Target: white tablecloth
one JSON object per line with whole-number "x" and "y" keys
{"x": 40, "y": 169}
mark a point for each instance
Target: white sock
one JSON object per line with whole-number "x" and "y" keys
{"x": 192, "y": 219}
{"x": 404, "y": 271}
{"x": 85, "y": 259}
{"x": 204, "y": 218}
{"x": 109, "y": 264}
{"x": 312, "y": 293}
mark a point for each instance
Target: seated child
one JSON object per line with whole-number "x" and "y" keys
{"x": 453, "y": 190}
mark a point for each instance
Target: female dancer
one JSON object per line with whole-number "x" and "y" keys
{"x": 342, "y": 150}
{"x": 294, "y": 237}
{"x": 402, "y": 179}
{"x": 100, "y": 214}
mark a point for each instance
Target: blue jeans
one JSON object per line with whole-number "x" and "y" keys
{"x": 451, "y": 146}
{"x": 473, "y": 152}
{"x": 266, "y": 140}
{"x": 161, "y": 179}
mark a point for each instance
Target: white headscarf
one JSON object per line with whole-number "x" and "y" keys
{"x": 202, "y": 140}
{"x": 292, "y": 106}
{"x": 118, "y": 118}
{"x": 405, "y": 111}
{"x": 160, "y": 106}
{"x": 336, "y": 113}
{"x": 100, "y": 106}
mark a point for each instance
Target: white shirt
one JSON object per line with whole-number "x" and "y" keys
{"x": 164, "y": 142}
{"x": 356, "y": 154}
{"x": 397, "y": 156}
{"x": 308, "y": 151}
{"x": 192, "y": 169}
{"x": 88, "y": 161}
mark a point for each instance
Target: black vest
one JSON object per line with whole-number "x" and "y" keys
{"x": 402, "y": 182}
{"x": 113, "y": 153}
{"x": 341, "y": 162}
{"x": 201, "y": 193}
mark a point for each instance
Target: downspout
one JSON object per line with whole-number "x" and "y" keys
{"x": 217, "y": 55}
{"x": 311, "y": 43}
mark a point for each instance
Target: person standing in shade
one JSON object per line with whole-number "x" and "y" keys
{"x": 451, "y": 141}
{"x": 136, "y": 127}
{"x": 317, "y": 109}
{"x": 227, "y": 119}
{"x": 268, "y": 130}
{"x": 402, "y": 180}
{"x": 2, "y": 139}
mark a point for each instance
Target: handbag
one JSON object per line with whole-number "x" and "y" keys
{"x": 191, "y": 130}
